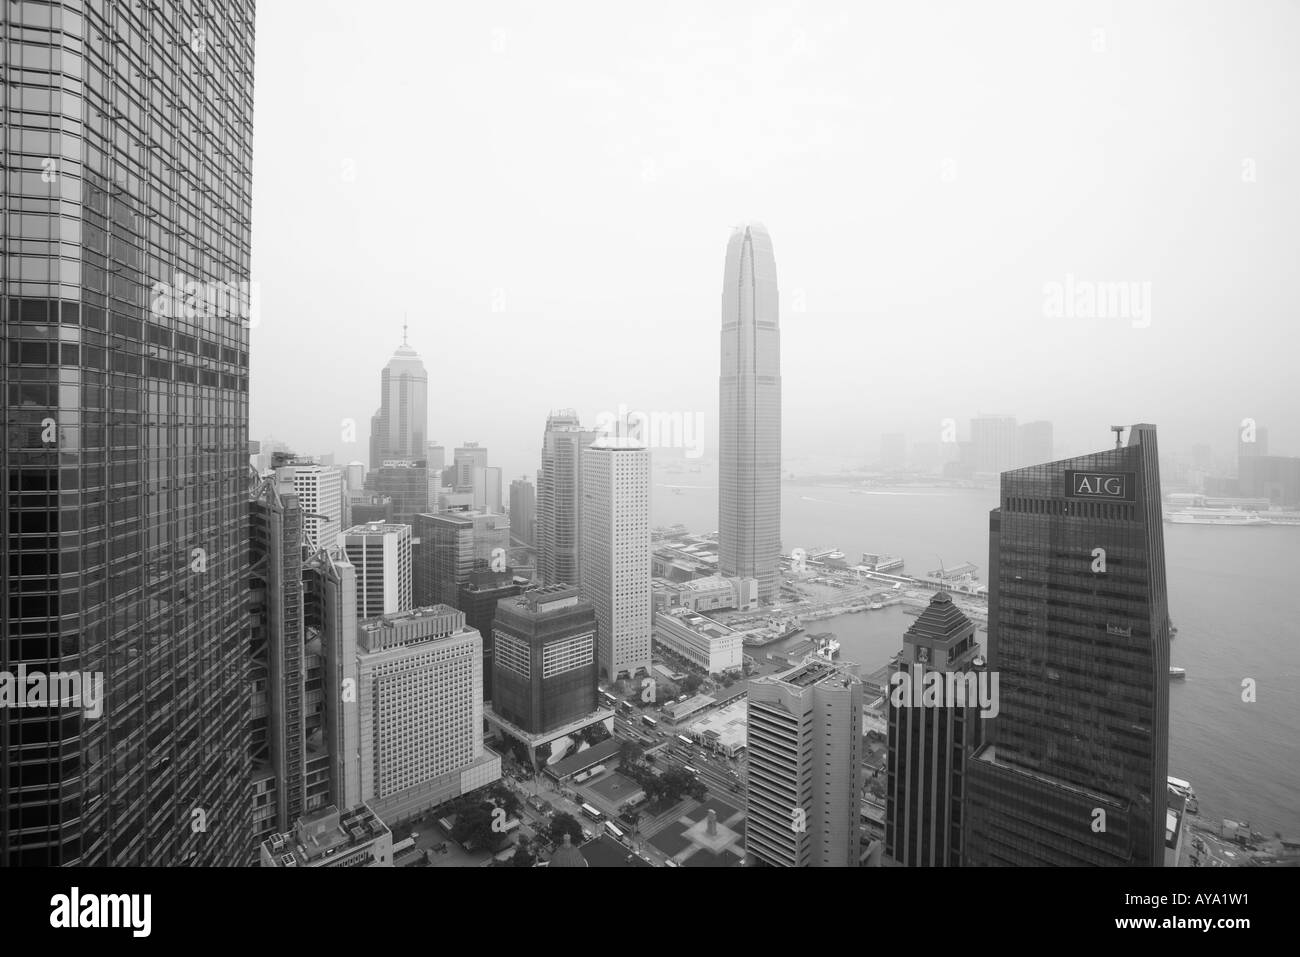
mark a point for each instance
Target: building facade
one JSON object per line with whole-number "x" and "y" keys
{"x": 929, "y": 747}
{"x": 615, "y": 552}
{"x": 478, "y": 598}
{"x": 749, "y": 435}
{"x": 523, "y": 512}
{"x": 803, "y": 794}
{"x": 381, "y": 555}
{"x": 559, "y": 498}
{"x": 420, "y": 683}
{"x": 320, "y": 495}
{"x": 1073, "y": 769}
{"x": 993, "y": 443}
{"x": 545, "y": 669}
{"x": 443, "y": 557}
{"x": 128, "y": 160}
{"x": 399, "y": 429}
{"x": 708, "y": 644}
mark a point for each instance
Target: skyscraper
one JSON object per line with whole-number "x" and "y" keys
{"x": 1033, "y": 443}
{"x": 478, "y": 599}
{"x": 126, "y": 308}
{"x": 1073, "y": 771}
{"x": 616, "y": 552}
{"x": 320, "y": 494}
{"x": 993, "y": 443}
{"x": 559, "y": 499}
{"x": 523, "y": 512}
{"x": 443, "y": 557}
{"x": 803, "y": 795}
{"x": 399, "y": 428}
{"x": 381, "y": 555}
{"x": 749, "y": 454}
{"x": 929, "y": 746}
{"x": 469, "y": 457}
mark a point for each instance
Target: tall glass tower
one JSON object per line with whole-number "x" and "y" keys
{"x": 398, "y": 429}
{"x": 1075, "y": 764}
{"x": 125, "y": 308}
{"x": 749, "y": 485}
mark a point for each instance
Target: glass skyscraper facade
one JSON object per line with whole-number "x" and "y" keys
{"x": 749, "y": 435}
{"x": 1073, "y": 771}
{"x": 126, "y": 312}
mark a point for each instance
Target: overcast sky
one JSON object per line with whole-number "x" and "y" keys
{"x": 546, "y": 191}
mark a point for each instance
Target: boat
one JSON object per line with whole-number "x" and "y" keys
{"x": 1184, "y": 788}
{"x": 882, "y": 564}
{"x": 876, "y": 606}
{"x": 1214, "y": 516}
{"x": 1177, "y": 674}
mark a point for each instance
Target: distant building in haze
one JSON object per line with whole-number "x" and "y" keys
{"x": 399, "y": 428}
{"x": 893, "y": 452}
{"x": 993, "y": 441}
{"x": 1033, "y": 443}
{"x": 559, "y": 498}
{"x": 477, "y": 598}
{"x": 749, "y": 435}
{"x": 523, "y": 512}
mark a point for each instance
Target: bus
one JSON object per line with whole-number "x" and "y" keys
{"x": 609, "y": 700}
{"x": 591, "y": 812}
{"x": 649, "y": 722}
{"x": 625, "y": 707}
{"x": 613, "y": 831}
{"x": 685, "y": 740}
{"x": 687, "y": 767}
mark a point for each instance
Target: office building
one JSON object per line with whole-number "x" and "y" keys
{"x": 1073, "y": 768}
{"x": 443, "y": 557}
{"x": 477, "y": 598}
{"x": 367, "y": 507}
{"x": 929, "y": 746}
{"x": 355, "y": 476}
{"x": 708, "y": 644}
{"x": 559, "y": 498}
{"x": 544, "y": 666}
{"x": 1252, "y": 442}
{"x": 993, "y": 443}
{"x": 381, "y": 554}
{"x": 523, "y": 512}
{"x": 749, "y": 435}
{"x": 420, "y": 679}
{"x": 1033, "y": 443}
{"x": 714, "y": 593}
{"x": 399, "y": 428}
{"x": 320, "y": 495}
{"x": 615, "y": 552}
{"x": 487, "y": 489}
{"x": 409, "y": 484}
{"x": 128, "y": 182}
{"x": 468, "y": 457}
{"x": 804, "y": 789}
{"x": 327, "y": 838}
{"x": 1274, "y": 477}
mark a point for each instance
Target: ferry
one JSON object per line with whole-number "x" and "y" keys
{"x": 882, "y": 563}
{"x": 1214, "y": 516}
{"x": 827, "y": 555}
{"x": 1177, "y": 674}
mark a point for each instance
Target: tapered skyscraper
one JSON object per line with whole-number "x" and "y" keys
{"x": 749, "y": 436}
{"x": 398, "y": 430}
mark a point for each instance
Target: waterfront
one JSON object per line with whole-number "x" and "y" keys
{"x": 1225, "y": 591}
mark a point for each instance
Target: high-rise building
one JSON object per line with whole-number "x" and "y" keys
{"x": 615, "y": 552}
{"x": 749, "y": 453}
{"x": 893, "y": 452}
{"x": 468, "y": 457}
{"x": 523, "y": 512}
{"x": 929, "y": 745}
{"x": 993, "y": 443}
{"x": 1274, "y": 477}
{"x": 125, "y": 311}
{"x": 478, "y": 599}
{"x": 420, "y": 697}
{"x": 320, "y": 495}
{"x": 408, "y": 484}
{"x": 803, "y": 795}
{"x": 545, "y": 660}
{"x": 1033, "y": 443}
{"x": 443, "y": 557}
{"x": 1252, "y": 442}
{"x": 559, "y": 498}
{"x": 355, "y": 476}
{"x": 381, "y": 555}
{"x": 487, "y": 489}
{"x": 398, "y": 430}
{"x": 1073, "y": 771}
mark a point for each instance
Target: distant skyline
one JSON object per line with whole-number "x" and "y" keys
{"x": 550, "y": 227}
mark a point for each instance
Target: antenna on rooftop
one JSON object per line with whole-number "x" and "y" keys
{"x": 1119, "y": 431}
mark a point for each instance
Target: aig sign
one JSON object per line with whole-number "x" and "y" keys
{"x": 1115, "y": 486}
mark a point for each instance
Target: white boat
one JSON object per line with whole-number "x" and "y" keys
{"x": 1177, "y": 674}
{"x": 1214, "y": 516}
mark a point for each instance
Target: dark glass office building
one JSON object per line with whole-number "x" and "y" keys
{"x": 1074, "y": 768}
{"x": 125, "y": 312}
{"x": 478, "y": 600}
{"x": 545, "y": 659}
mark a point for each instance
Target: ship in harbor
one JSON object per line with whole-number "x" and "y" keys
{"x": 1177, "y": 674}
{"x": 776, "y": 628}
{"x": 1215, "y": 516}
{"x": 882, "y": 564}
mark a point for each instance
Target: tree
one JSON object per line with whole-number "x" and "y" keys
{"x": 629, "y": 753}
{"x": 523, "y": 856}
{"x": 503, "y": 797}
{"x": 473, "y": 826}
{"x": 690, "y": 684}
{"x": 565, "y": 823}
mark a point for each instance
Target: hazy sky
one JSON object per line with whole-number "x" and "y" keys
{"x": 546, "y": 190}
